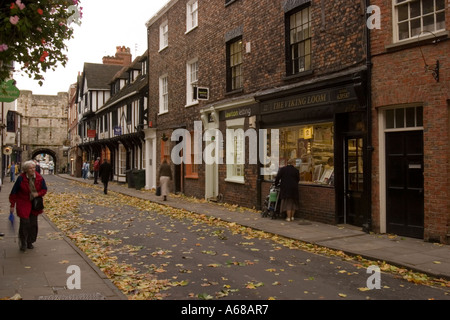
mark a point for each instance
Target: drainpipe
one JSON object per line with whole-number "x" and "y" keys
{"x": 367, "y": 227}
{"x": 259, "y": 177}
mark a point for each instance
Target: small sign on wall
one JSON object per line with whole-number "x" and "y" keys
{"x": 201, "y": 93}
{"x": 307, "y": 132}
{"x": 91, "y": 133}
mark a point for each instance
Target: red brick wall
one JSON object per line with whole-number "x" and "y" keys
{"x": 399, "y": 78}
{"x": 317, "y": 203}
{"x": 337, "y": 45}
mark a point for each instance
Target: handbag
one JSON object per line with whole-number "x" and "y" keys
{"x": 37, "y": 204}
{"x": 158, "y": 190}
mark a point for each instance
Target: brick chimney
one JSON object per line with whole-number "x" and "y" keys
{"x": 122, "y": 57}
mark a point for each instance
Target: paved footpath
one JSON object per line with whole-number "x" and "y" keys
{"x": 41, "y": 273}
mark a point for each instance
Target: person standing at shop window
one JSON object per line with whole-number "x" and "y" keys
{"x": 288, "y": 178}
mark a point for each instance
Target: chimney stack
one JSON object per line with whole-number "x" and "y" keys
{"x": 122, "y": 57}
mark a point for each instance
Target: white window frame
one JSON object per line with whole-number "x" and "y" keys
{"x": 235, "y": 140}
{"x": 122, "y": 160}
{"x": 163, "y": 94}
{"x": 191, "y": 81}
{"x": 396, "y": 5}
{"x": 163, "y": 35}
{"x": 191, "y": 15}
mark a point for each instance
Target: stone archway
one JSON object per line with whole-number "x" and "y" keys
{"x": 50, "y": 152}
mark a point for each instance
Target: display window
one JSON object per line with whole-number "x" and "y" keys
{"x": 312, "y": 148}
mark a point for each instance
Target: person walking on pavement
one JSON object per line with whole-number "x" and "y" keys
{"x": 85, "y": 170}
{"x": 96, "y": 169}
{"x": 13, "y": 170}
{"x": 165, "y": 174}
{"x": 28, "y": 185}
{"x": 38, "y": 167}
{"x": 289, "y": 177}
{"x": 105, "y": 174}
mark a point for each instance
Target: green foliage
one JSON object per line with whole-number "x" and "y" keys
{"x": 33, "y": 34}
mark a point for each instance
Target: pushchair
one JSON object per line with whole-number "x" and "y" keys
{"x": 272, "y": 203}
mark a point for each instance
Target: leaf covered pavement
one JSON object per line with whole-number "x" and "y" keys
{"x": 152, "y": 251}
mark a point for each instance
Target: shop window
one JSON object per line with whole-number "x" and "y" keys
{"x": 165, "y": 150}
{"x": 312, "y": 148}
{"x": 299, "y": 40}
{"x": 414, "y": 17}
{"x": 235, "y": 149}
{"x": 191, "y": 168}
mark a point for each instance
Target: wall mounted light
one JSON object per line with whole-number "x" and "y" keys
{"x": 434, "y": 68}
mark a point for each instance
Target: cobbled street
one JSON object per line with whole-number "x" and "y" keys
{"x": 151, "y": 251}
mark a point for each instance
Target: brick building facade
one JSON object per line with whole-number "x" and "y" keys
{"x": 411, "y": 119}
{"x": 293, "y": 67}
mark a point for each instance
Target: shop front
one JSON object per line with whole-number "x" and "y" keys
{"x": 323, "y": 128}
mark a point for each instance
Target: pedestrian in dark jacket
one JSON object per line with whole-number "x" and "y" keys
{"x": 165, "y": 174}
{"x": 105, "y": 174}
{"x": 28, "y": 185}
{"x": 289, "y": 177}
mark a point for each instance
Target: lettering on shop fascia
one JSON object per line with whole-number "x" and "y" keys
{"x": 247, "y": 111}
{"x": 309, "y": 100}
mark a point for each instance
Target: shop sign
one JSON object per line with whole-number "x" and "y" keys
{"x": 242, "y": 112}
{"x": 117, "y": 131}
{"x": 312, "y": 99}
{"x": 201, "y": 93}
{"x": 91, "y": 133}
{"x": 8, "y": 91}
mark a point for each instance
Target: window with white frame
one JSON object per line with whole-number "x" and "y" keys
{"x": 404, "y": 117}
{"x": 122, "y": 159}
{"x": 191, "y": 81}
{"x": 163, "y": 35}
{"x": 191, "y": 15}
{"x": 163, "y": 94}
{"x": 235, "y": 149}
{"x": 416, "y": 17}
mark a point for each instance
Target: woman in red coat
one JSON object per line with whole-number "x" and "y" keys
{"x": 29, "y": 185}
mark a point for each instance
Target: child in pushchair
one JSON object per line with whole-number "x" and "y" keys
{"x": 272, "y": 203}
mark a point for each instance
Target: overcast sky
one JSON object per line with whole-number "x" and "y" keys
{"x": 105, "y": 25}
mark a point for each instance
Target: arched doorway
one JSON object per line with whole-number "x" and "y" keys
{"x": 47, "y": 159}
